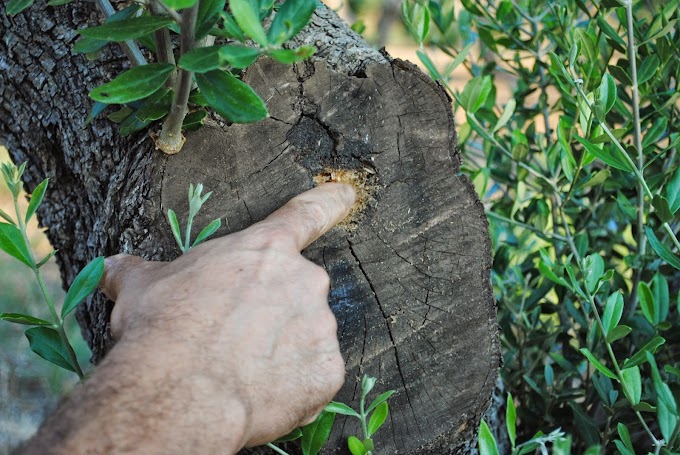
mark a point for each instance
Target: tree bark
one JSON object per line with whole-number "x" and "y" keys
{"x": 410, "y": 274}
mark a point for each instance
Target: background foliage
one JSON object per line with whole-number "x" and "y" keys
{"x": 577, "y": 166}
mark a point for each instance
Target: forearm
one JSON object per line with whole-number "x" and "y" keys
{"x": 128, "y": 406}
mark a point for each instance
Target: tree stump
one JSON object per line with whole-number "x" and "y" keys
{"x": 410, "y": 273}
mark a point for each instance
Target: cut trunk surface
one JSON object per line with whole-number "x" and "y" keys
{"x": 410, "y": 272}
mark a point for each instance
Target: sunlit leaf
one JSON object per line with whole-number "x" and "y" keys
{"x": 46, "y": 342}
{"x": 231, "y": 98}
{"x": 134, "y": 84}
{"x": 83, "y": 285}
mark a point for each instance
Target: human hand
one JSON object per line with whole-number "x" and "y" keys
{"x": 239, "y": 325}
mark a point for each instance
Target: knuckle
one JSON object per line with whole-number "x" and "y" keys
{"x": 319, "y": 277}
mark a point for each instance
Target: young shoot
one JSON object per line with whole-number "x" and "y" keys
{"x": 196, "y": 201}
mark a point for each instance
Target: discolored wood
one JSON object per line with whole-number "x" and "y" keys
{"x": 410, "y": 284}
{"x": 410, "y": 278}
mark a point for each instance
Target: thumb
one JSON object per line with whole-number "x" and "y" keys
{"x": 119, "y": 270}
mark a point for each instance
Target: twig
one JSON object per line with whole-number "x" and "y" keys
{"x": 171, "y": 139}
{"x": 163, "y": 44}
{"x": 130, "y": 48}
{"x": 637, "y": 135}
{"x": 174, "y": 15}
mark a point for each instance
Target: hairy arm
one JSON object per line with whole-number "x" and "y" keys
{"x": 231, "y": 345}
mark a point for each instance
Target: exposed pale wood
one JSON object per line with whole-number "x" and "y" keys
{"x": 410, "y": 283}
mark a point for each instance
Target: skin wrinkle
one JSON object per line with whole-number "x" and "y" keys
{"x": 230, "y": 345}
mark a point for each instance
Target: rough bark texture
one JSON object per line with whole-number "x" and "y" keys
{"x": 410, "y": 278}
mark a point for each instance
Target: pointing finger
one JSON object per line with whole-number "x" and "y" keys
{"x": 118, "y": 273}
{"x": 311, "y": 214}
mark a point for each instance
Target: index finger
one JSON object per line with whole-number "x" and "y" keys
{"x": 311, "y": 214}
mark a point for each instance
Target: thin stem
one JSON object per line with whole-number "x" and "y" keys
{"x": 187, "y": 236}
{"x": 364, "y": 426}
{"x": 171, "y": 139}
{"x": 174, "y": 15}
{"x": 58, "y": 323}
{"x": 277, "y": 449}
{"x": 130, "y": 48}
{"x": 540, "y": 233}
{"x": 657, "y": 443}
{"x": 637, "y": 136}
{"x": 164, "y": 50}
{"x": 507, "y": 152}
{"x": 629, "y": 160}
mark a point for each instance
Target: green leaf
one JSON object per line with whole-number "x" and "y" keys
{"x": 201, "y": 60}
{"x": 663, "y": 392}
{"x": 377, "y": 418}
{"x": 594, "y": 269}
{"x": 607, "y": 92}
{"x": 46, "y": 342}
{"x": 121, "y": 114}
{"x": 289, "y": 20}
{"x": 134, "y": 84}
{"x": 641, "y": 356}
{"x": 617, "y": 333}
{"x": 367, "y": 384}
{"x": 58, "y": 2}
{"x": 648, "y": 68}
{"x": 341, "y": 408}
{"x": 132, "y": 124}
{"x": 557, "y": 69}
{"x": 672, "y": 370}
{"x": 356, "y": 447}
{"x": 126, "y": 29}
{"x": 231, "y": 98}
{"x": 661, "y": 297}
{"x": 208, "y": 14}
{"x": 315, "y": 435}
{"x": 84, "y": 284}
{"x": 506, "y": 115}
{"x": 231, "y": 27}
{"x": 247, "y": 16}
{"x": 655, "y": 132}
{"x": 624, "y": 434}
{"x": 662, "y": 208}
{"x": 647, "y": 302}
{"x": 288, "y": 56}
{"x": 382, "y": 397}
{"x": 155, "y": 106}
{"x": 644, "y": 407}
{"x": 662, "y": 250}
{"x": 238, "y": 56}
{"x": 613, "y": 159}
{"x": 12, "y": 242}
{"x": 511, "y": 419}
{"x": 613, "y": 310}
{"x": 36, "y": 199}
{"x": 431, "y": 68}
{"x": 475, "y": 93}
{"x": 7, "y": 218}
{"x": 179, "y": 4}
{"x": 16, "y": 6}
{"x": 174, "y": 226}
{"x": 632, "y": 382}
{"x": 673, "y": 192}
{"x": 292, "y": 436}
{"x": 486, "y": 441}
{"x": 97, "y": 108}
{"x": 24, "y": 319}
{"x": 667, "y": 420}
{"x": 207, "y": 231}
{"x": 597, "y": 364}
{"x": 194, "y": 120}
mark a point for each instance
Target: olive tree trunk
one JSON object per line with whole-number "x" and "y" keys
{"x": 410, "y": 275}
